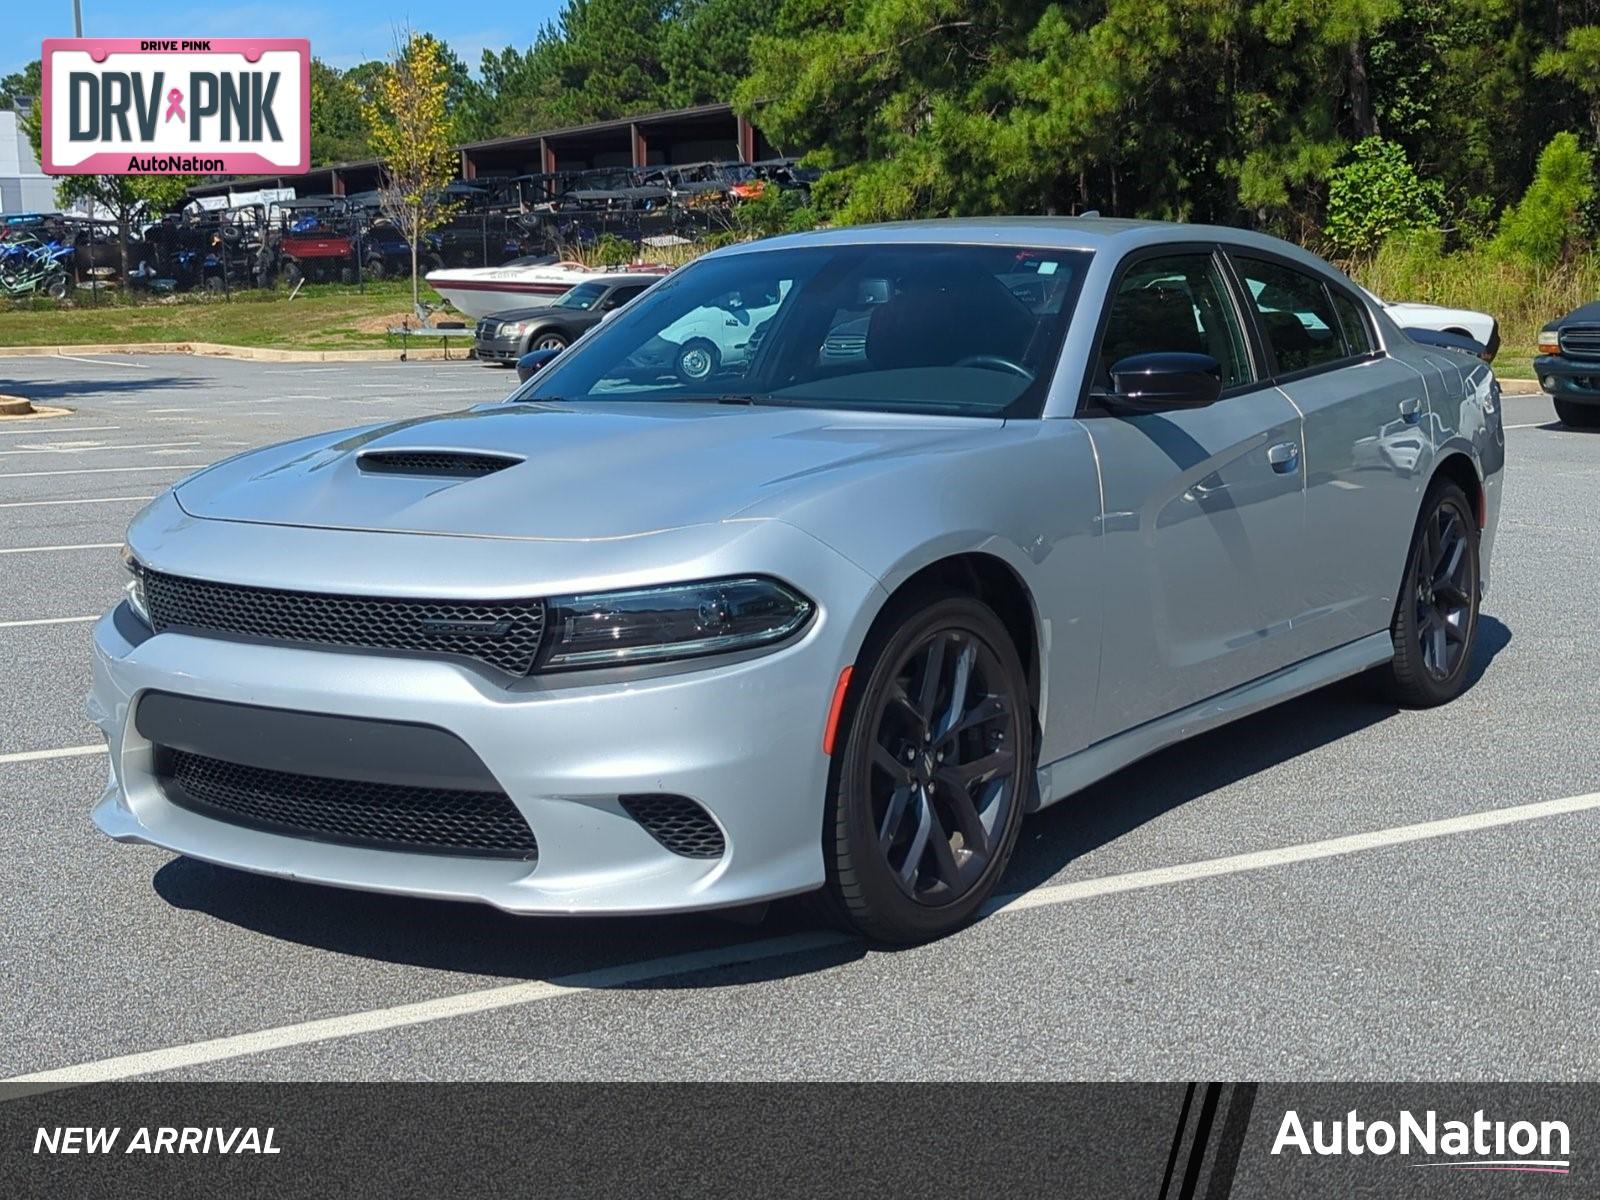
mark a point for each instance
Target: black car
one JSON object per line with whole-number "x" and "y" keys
{"x": 1568, "y": 365}
{"x": 506, "y": 336}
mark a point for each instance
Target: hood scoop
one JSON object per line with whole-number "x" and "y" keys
{"x": 449, "y": 464}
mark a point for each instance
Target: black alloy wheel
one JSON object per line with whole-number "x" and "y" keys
{"x": 934, "y": 776}
{"x": 1436, "y": 617}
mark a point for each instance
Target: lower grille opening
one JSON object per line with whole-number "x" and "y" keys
{"x": 678, "y": 823}
{"x": 425, "y": 820}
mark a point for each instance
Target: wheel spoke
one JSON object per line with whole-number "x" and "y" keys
{"x": 964, "y": 811}
{"x": 932, "y": 669}
{"x": 1430, "y": 548}
{"x": 898, "y": 700}
{"x": 958, "y": 689}
{"x": 1453, "y": 631}
{"x": 990, "y": 708}
{"x": 1455, "y": 554}
{"x": 919, "y": 839}
{"x": 885, "y": 761}
{"x": 1438, "y": 645}
{"x": 962, "y": 776}
{"x": 894, "y": 816}
{"x": 945, "y": 866}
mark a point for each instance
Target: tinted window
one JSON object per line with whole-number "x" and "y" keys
{"x": 584, "y": 297}
{"x": 1297, "y": 318}
{"x": 974, "y": 330}
{"x": 1353, "y": 320}
{"x": 623, "y": 294}
{"x": 1179, "y": 302}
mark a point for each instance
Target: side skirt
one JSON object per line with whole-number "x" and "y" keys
{"x": 1077, "y": 771}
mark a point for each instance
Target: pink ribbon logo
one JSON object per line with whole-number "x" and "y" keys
{"x": 175, "y": 105}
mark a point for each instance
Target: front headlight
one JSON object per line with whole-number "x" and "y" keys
{"x": 135, "y": 586}
{"x": 1549, "y": 341}
{"x": 678, "y": 621}
{"x": 511, "y": 329}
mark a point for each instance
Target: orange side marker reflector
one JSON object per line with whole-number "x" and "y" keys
{"x": 834, "y": 709}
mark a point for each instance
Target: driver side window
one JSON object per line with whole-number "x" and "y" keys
{"x": 1176, "y": 302}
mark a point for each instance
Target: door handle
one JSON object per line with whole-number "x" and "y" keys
{"x": 1284, "y": 457}
{"x": 1411, "y": 410}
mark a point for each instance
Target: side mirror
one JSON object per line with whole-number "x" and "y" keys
{"x": 1164, "y": 380}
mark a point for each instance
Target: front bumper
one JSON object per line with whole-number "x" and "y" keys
{"x": 742, "y": 737}
{"x": 506, "y": 350}
{"x": 1571, "y": 379}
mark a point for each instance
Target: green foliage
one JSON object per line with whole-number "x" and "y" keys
{"x": 1545, "y": 227}
{"x": 1375, "y": 194}
{"x": 1208, "y": 109}
{"x": 1520, "y": 295}
{"x": 21, "y": 85}
{"x": 610, "y": 250}
{"x": 339, "y": 130}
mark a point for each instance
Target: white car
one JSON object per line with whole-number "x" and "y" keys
{"x": 1480, "y": 327}
{"x": 720, "y": 336}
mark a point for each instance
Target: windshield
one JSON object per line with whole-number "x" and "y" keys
{"x": 971, "y": 330}
{"x": 583, "y": 297}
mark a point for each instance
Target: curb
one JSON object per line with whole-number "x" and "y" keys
{"x": 1520, "y": 387}
{"x": 217, "y": 350}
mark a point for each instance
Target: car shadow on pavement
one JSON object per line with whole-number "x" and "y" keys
{"x": 1139, "y": 793}
{"x": 62, "y": 390}
{"x": 473, "y": 939}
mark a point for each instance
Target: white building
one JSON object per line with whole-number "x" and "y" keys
{"x": 23, "y": 187}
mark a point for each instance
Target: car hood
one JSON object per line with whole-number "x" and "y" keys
{"x": 588, "y": 471}
{"x": 1584, "y": 314}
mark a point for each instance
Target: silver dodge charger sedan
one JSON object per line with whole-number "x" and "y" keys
{"x": 992, "y": 509}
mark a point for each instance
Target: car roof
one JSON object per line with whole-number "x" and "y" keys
{"x": 1067, "y": 233}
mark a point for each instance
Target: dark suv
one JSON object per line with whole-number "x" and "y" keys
{"x": 1568, "y": 365}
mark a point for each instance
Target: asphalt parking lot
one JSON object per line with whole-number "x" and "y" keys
{"x": 1332, "y": 889}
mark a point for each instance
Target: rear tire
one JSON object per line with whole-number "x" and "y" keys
{"x": 1578, "y": 416}
{"x": 930, "y": 779}
{"x": 1435, "y": 626}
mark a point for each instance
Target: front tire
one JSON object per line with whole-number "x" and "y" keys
{"x": 697, "y": 360}
{"x": 1435, "y": 626}
{"x": 927, "y": 795}
{"x": 1578, "y": 416}
{"x": 546, "y": 341}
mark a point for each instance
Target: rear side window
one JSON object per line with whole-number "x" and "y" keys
{"x": 1296, "y": 314}
{"x": 1353, "y": 320}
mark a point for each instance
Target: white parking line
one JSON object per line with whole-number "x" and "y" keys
{"x": 53, "y": 549}
{"x": 102, "y": 470}
{"x": 53, "y": 429}
{"x": 190, "y": 444}
{"x": 61, "y": 752}
{"x": 103, "y": 362}
{"x": 484, "y": 1000}
{"x": 72, "y": 500}
{"x": 46, "y": 621}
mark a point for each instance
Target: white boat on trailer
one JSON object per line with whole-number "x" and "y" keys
{"x": 484, "y": 291}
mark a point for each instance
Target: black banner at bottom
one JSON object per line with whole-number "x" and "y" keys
{"x": 1161, "y": 1141}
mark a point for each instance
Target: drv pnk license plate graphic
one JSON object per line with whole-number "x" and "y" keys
{"x": 170, "y": 106}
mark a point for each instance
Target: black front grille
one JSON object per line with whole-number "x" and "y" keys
{"x": 502, "y": 633}
{"x": 434, "y": 462}
{"x": 351, "y": 812}
{"x": 1581, "y": 341}
{"x": 678, "y": 823}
